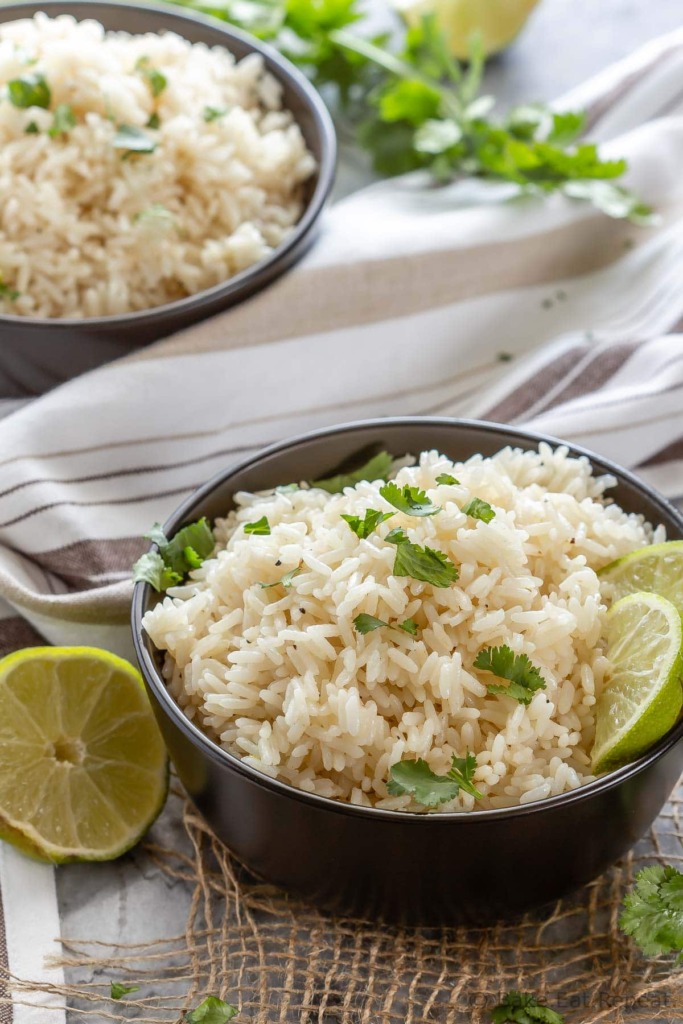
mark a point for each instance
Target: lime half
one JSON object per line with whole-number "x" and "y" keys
{"x": 657, "y": 569}
{"x": 83, "y": 769}
{"x": 642, "y": 697}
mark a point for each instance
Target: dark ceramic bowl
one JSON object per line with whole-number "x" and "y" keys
{"x": 36, "y": 354}
{"x": 437, "y": 867}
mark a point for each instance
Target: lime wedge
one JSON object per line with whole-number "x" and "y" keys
{"x": 642, "y": 697}
{"x": 83, "y": 769}
{"x": 657, "y": 569}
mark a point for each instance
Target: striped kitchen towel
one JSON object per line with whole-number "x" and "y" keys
{"x": 415, "y": 301}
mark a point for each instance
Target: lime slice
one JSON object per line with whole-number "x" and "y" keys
{"x": 83, "y": 769}
{"x": 657, "y": 569}
{"x": 643, "y": 696}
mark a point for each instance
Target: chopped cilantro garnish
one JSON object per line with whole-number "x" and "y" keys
{"x": 287, "y": 488}
{"x": 478, "y": 509}
{"x": 212, "y": 1011}
{"x": 6, "y": 292}
{"x": 156, "y": 81}
{"x": 157, "y": 214}
{"x": 63, "y": 121}
{"x": 368, "y": 623}
{"x": 364, "y": 527}
{"x": 523, "y": 1008}
{"x": 261, "y": 527}
{"x": 32, "y": 128}
{"x": 31, "y": 90}
{"x": 285, "y": 581}
{"x": 378, "y": 468}
{"x": 524, "y": 677}
{"x": 409, "y": 500}
{"x": 429, "y": 789}
{"x": 446, "y": 478}
{"x": 187, "y": 550}
{"x": 133, "y": 140}
{"x": 118, "y": 991}
{"x": 213, "y": 113}
{"x": 421, "y": 563}
{"x": 653, "y": 911}
{"x": 154, "y": 121}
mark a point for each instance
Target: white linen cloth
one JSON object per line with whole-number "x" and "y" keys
{"x": 415, "y": 300}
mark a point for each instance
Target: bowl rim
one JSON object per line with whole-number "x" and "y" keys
{"x": 283, "y": 70}
{"x": 224, "y": 758}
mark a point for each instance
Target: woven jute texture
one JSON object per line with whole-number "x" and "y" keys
{"x": 280, "y": 961}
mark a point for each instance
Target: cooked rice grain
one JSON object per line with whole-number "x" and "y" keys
{"x": 84, "y": 232}
{"x": 282, "y": 679}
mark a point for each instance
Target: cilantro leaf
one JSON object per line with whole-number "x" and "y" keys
{"x": 409, "y": 626}
{"x": 261, "y": 527}
{"x": 6, "y": 292}
{"x": 287, "y": 488}
{"x": 285, "y": 581}
{"x": 213, "y": 113}
{"x": 32, "y": 128}
{"x": 187, "y": 550}
{"x": 421, "y": 563}
{"x": 156, "y": 81}
{"x": 446, "y": 478}
{"x": 429, "y": 789}
{"x": 523, "y": 1008}
{"x": 365, "y": 623}
{"x": 31, "y": 90}
{"x": 118, "y": 991}
{"x": 377, "y": 468}
{"x": 524, "y": 677}
{"x": 133, "y": 140}
{"x": 653, "y": 911}
{"x": 478, "y": 509}
{"x": 409, "y": 500}
{"x": 364, "y": 527}
{"x": 212, "y": 1011}
{"x": 64, "y": 120}
{"x": 154, "y": 121}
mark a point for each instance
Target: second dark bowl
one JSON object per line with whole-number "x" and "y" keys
{"x": 36, "y": 354}
{"x": 433, "y": 868}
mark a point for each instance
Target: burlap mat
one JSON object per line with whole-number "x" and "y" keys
{"x": 281, "y": 961}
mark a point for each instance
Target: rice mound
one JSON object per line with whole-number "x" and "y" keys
{"x": 282, "y": 679}
{"x": 86, "y": 232}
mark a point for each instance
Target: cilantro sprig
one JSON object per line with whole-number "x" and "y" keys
{"x": 422, "y": 563}
{"x": 365, "y": 623}
{"x": 524, "y": 1008}
{"x": 132, "y": 139}
{"x": 430, "y": 789}
{"x": 155, "y": 79}
{"x": 412, "y": 105}
{"x": 446, "y": 478}
{"x": 117, "y": 990}
{"x": 377, "y": 468}
{"x": 409, "y": 500}
{"x": 187, "y": 550}
{"x": 478, "y": 509}
{"x": 524, "y": 678}
{"x": 30, "y": 90}
{"x": 284, "y": 581}
{"x": 370, "y": 521}
{"x": 212, "y": 1011}
{"x": 653, "y": 911}
{"x": 261, "y": 528}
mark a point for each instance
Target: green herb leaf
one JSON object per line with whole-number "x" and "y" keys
{"x": 367, "y": 623}
{"x": 6, "y": 292}
{"x": 154, "y": 121}
{"x": 287, "y": 488}
{"x": 285, "y": 581}
{"x": 446, "y": 478}
{"x": 429, "y": 789}
{"x": 156, "y": 81}
{"x": 156, "y": 214}
{"x": 411, "y": 101}
{"x": 478, "y": 509}
{"x": 32, "y": 128}
{"x": 133, "y": 140}
{"x": 213, "y": 113}
{"x": 409, "y": 626}
{"x": 261, "y": 527}
{"x": 212, "y": 1011}
{"x": 377, "y": 468}
{"x": 653, "y": 911}
{"x": 437, "y": 136}
{"x": 118, "y": 991}
{"x": 523, "y": 1008}
{"x": 165, "y": 568}
{"x": 525, "y": 679}
{"x": 63, "y": 121}
{"x": 409, "y": 500}
{"x": 364, "y": 527}
{"x": 421, "y": 563}
{"x": 31, "y": 90}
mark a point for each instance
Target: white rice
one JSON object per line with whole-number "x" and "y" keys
{"x": 84, "y": 232}
{"x": 282, "y": 679}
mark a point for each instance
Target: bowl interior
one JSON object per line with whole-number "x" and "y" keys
{"x": 326, "y": 452}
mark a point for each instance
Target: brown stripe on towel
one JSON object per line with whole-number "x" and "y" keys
{"x": 15, "y": 633}
{"x": 6, "y": 1011}
{"x": 594, "y": 375}
{"x": 516, "y": 404}
{"x": 672, "y": 453}
{"x": 80, "y": 564}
